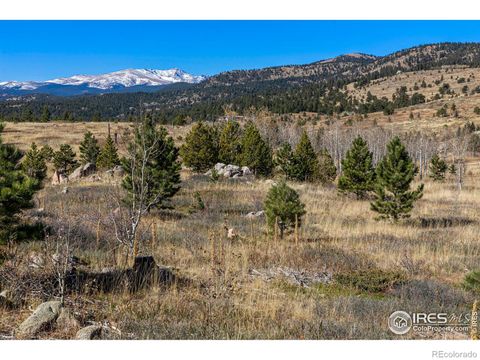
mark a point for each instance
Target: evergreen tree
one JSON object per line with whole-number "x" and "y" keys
{"x": 34, "y": 163}
{"x": 16, "y": 190}
{"x": 152, "y": 167}
{"x": 395, "y": 172}
{"x": 47, "y": 152}
{"x": 305, "y": 164}
{"x": 200, "y": 150}
{"x": 64, "y": 160}
{"x": 328, "y": 171}
{"x": 89, "y": 149}
{"x": 437, "y": 168}
{"x": 108, "y": 156}
{"x": 229, "y": 143}
{"x": 358, "y": 176}
{"x": 452, "y": 169}
{"x": 282, "y": 206}
{"x": 284, "y": 159}
{"x": 46, "y": 116}
{"x": 256, "y": 153}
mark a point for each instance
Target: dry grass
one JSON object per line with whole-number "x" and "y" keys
{"x": 433, "y": 251}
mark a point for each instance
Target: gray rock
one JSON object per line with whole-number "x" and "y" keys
{"x": 42, "y": 319}
{"x": 254, "y": 214}
{"x": 88, "y": 169}
{"x": 91, "y": 332}
{"x": 118, "y": 171}
{"x": 65, "y": 190}
{"x": 219, "y": 166}
{"x": 76, "y": 174}
{"x": 209, "y": 173}
{"x": 58, "y": 179}
{"x": 83, "y": 171}
{"x": 66, "y": 320}
{"x": 246, "y": 171}
{"x": 232, "y": 168}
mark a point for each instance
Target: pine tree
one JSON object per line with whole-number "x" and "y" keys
{"x": 305, "y": 165}
{"x": 327, "y": 169}
{"x": 34, "y": 163}
{"x": 200, "y": 150}
{"x": 256, "y": 153}
{"x": 437, "y": 168}
{"x": 108, "y": 156}
{"x": 16, "y": 190}
{"x": 89, "y": 149}
{"x": 152, "y": 167}
{"x": 46, "y": 116}
{"x": 358, "y": 176}
{"x": 284, "y": 159}
{"x": 283, "y": 207}
{"x": 64, "y": 160}
{"x": 229, "y": 143}
{"x": 395, "y": 172}
{"x": 47, "y": 152}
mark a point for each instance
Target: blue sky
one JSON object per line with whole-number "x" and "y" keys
{"x": 41, "y": 50}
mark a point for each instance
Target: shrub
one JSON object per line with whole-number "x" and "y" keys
{"x": 283, "y": 207}
{"x": 372, "y": 280}
{"x": 471, "y": 282}
{"x": 437, "y": 168}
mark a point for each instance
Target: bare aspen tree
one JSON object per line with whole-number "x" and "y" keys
{"x": 152, "y": 178}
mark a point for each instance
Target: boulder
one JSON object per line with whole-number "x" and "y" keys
{"x": 58, "y": 179}
{"x": 88, "y": 169}
{"x": 254, "y": 214}
{"x": 246, "y": 171}
{"x": 42, "y": 319}
{"x": 118, "y": 171}
{"x": 82, "y": 171}
{"x": 76, "y": 174}
{"x": 66, "y": 320}
{"x": 91, "y": 332}
{"x": 219, "y": 166}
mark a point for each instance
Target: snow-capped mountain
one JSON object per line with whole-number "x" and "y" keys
{"x": 119, "y": 81}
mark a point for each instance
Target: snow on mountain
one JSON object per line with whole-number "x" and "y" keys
{"x": 130, "y": 77}
{"x": 124, "y": 78}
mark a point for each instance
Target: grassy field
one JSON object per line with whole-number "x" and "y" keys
{"x": 375, "y": 267}
{"x": 242, "y": 287}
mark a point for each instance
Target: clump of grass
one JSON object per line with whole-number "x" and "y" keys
{"x": 371, "y": 281}
{"x": 471, "y": 281}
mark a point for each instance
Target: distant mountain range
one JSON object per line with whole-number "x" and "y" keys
{"x": 173, "y": 95}
{"x": 130, "y": 80}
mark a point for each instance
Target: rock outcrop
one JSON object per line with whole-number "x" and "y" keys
{"x": 230, "y": 171}
{"x": 42, "y": 319}
{"x": 82, "y": 172}
{"x": 92, "y": 332}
